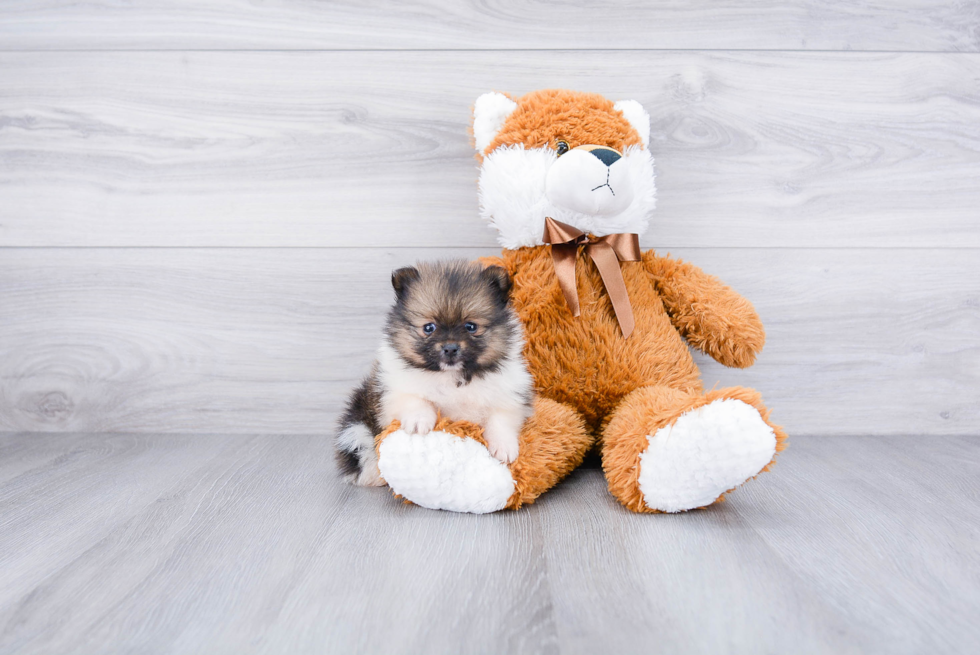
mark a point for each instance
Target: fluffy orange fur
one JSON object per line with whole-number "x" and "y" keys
{"x": 584, "y": 361}
{"x": 713, "y": 318}
{"x": 553, "y": 443}
{"x": 545, "y": 117}
{"x": 627, "y": 389}
{"x": 595, "y": 386}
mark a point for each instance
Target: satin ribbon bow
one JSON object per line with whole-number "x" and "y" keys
{"x": 606, "y": 252}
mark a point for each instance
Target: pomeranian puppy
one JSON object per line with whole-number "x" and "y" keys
{"x": 453, "y": 346}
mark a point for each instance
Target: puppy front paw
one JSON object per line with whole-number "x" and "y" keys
{"x": 418, "y": 421}
{"x": 502, "y": 444}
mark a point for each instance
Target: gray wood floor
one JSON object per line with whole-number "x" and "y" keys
{"x": 242, "y": 544}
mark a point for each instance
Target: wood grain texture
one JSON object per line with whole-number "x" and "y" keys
{"x": 429, "y": 24}
{"x": 891, "y": 528}
{"x": 239, "y": 340}
{"x": 844, "y": 548}
{"x": 371, "y": 148}
{"x": 249, "y": 544}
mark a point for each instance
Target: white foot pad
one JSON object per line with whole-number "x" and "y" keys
{"x": 442, "y": 471}
{"x": 706, "y": 452}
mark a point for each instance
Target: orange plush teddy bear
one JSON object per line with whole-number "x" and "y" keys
{"x": 567, "y": 180}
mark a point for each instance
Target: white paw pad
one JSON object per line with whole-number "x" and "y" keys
{"x": 442, "y": 471}
{"x": 706, "y": 452}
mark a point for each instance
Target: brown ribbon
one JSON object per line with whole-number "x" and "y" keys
{"x": 606, "y": 252}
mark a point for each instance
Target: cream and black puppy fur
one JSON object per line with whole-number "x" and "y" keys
{"x": 453, "y": 346}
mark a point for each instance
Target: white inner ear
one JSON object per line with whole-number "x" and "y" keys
{"x": 638, "y": 118}
{"x": 489, "y": 114}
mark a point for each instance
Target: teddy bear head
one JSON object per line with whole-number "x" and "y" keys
{"x": 575, "y": 157}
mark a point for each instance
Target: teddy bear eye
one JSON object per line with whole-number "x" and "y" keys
{"x": 562, "y": 147}
{"x": 429, "y": 328}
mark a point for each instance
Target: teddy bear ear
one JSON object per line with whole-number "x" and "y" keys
{"x": 638, "y": 118}
{"x": 489, "y": 114}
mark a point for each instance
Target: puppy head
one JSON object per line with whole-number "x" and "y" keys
{"x": 576, "y": 157}
{"x": 452, "y": 316}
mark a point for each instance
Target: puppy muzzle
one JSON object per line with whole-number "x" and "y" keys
{"x": 450, "y": 355}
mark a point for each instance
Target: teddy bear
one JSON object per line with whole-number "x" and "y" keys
{"x": 567, "y": 181}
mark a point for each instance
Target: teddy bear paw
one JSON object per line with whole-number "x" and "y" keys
{"x": 440, "y": 470}
{"x": 706, "y": 452}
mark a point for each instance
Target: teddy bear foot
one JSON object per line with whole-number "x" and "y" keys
{"x": 705, "y": 453}
{"x": 692, "y": 456}
{"x": 440, "y": 470}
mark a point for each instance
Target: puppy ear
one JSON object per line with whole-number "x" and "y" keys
{"x": 637, "y": 117}
{"x": 499, "y": 280}
{"x": 489, "y": 114}
{"x": 404, "y": 278}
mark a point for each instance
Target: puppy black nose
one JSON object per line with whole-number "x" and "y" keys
{"x": 607, "y": 156}
{"x": 450, "y": 349}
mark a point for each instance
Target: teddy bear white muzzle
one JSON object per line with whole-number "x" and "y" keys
{"x": 591, "y": 180}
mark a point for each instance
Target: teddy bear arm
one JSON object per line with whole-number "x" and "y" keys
{"x": 709, "y": 314}
{"x": 451, "y": 467}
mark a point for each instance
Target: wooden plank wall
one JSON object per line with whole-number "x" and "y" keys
{"x": 200, "y": 201}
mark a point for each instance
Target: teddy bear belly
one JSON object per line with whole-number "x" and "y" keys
{"x": 592, "y": 372}
{"x": 584, "y": 361}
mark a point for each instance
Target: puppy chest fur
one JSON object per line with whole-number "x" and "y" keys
{"x": 508, "y": 388}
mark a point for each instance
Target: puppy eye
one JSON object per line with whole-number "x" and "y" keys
{"x": 470, "y": 327}
{"x": 429, "y": 328}
{"x": 562, "y": 147}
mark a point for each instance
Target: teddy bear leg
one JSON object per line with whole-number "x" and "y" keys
{"x": 553, "y": 443}
{"x": 450, "y": 467}
{"x": 664, "y": 450}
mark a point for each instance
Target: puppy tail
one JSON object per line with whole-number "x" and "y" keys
{"x": 356, "y": 456}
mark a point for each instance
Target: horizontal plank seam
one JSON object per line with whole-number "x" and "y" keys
{"x": 492, "y": 50}
{"x": 253, "y": 435}
{"x": 483, "y": 247}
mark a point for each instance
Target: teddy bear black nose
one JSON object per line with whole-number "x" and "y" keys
{"x": 607, "y": 156}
